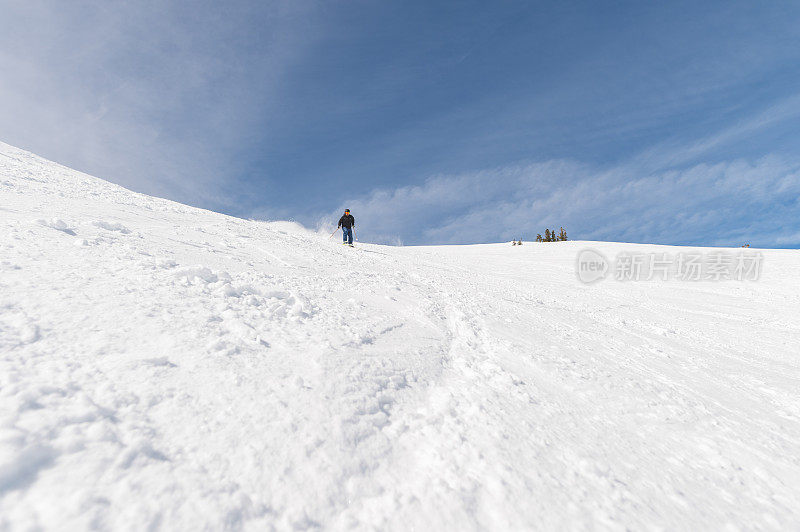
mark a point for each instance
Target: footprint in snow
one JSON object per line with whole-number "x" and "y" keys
{"x": 111, "y": 226}
{"x": 158, "y": 362}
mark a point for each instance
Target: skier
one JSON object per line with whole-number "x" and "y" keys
{"x": 347, "y": 222}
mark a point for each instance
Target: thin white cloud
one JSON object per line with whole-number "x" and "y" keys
{"x": 159, "y": 96}
{"x": 725, "y": 203}
{"x": 674, "y": 153}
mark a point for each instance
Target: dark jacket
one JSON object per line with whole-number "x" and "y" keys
{"x": 347, "y": 220}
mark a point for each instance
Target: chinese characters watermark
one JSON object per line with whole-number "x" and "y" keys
{"x": 592, "y": 266}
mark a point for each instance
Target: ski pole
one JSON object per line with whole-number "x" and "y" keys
{"x": 334, "y": 232}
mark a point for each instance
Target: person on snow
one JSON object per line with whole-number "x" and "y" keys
{"x": 347, "y": 222}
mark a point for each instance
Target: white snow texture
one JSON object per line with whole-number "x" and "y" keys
{"x": 166, "y": 367}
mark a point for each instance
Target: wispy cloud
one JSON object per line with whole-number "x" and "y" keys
{"x": 676, "y": 153}
{"x": 728, "y": 203}
{"x": 162, "y": 97}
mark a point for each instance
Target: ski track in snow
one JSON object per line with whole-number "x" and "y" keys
{"x": 167, "y": 367}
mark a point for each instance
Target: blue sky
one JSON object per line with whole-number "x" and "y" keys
{"x": 435, "y": 122}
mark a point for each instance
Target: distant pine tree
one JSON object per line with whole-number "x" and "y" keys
{"x": 550, "y": 235}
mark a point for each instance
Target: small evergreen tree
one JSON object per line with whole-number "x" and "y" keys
{"x": 562, "y": 236}
{"x": 539, "y": 238}
{"x": 547, "y": 237}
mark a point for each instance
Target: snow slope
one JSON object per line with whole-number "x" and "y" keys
{"x": 167, "y": 367}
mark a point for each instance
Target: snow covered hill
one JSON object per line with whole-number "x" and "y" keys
{"x": 165, "y": 367}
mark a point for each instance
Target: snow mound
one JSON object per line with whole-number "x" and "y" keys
{"x": 57, "y": 224}
{"x": 166, "y": 367}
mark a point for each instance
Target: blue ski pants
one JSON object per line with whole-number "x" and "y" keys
{"x": 347, "y": 234}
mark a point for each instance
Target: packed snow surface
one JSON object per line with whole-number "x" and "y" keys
{"x": 167, "y": 367}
